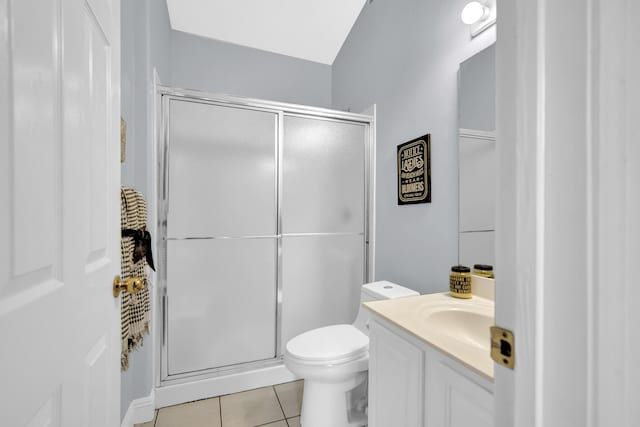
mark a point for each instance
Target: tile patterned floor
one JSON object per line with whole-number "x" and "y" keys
{"x": 276, "y": 406}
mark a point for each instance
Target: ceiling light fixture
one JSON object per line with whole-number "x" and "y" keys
{"x": 479, "y": 15}
{"x": 474, "y": 12}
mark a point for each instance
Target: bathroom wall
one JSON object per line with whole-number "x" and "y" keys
{"x": 145, "y": 46}
{"x": 404, "y": 56}
{"x": 215, "y": 66}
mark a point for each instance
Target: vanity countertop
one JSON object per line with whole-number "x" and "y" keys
{"x": 457, "y": 327}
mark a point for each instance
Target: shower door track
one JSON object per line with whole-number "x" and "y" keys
{"x": 166, "y": 94}
{"x": 275, "y": 236}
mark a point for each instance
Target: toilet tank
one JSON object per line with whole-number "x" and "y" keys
{"x": 378, "y": 291}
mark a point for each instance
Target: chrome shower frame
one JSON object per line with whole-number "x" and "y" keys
{"x": 165, "y": 95}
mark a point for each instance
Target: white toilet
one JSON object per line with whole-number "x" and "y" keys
{"x": 333, "y": 361}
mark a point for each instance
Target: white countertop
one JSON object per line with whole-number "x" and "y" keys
{"x": 457, "y": 327}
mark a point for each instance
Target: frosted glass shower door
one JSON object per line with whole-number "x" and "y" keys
{"x": 221, "y": 236}
{"x": 323, "y": 222}
{"x": 222, "y": 171}
{"x": 221, "y": 303}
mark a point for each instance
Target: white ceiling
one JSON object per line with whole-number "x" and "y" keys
{"x": 309, "y": 29}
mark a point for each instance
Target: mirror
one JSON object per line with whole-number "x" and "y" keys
{"x": 476, "y": 158}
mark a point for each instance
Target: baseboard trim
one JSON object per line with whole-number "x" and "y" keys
{"x": 202, "y": 389}
{"x": 140, "y": 410}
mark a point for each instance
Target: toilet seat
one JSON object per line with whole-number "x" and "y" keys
{"x": 331, "y": 344}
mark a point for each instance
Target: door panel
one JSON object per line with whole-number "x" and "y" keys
{"x": 321, "y": 279}
{"x": 452, "y": 399}
{"x": 222, "y": 171}
{"x": 59, "y": 209}
{"x": 323, "y": 176}
{"x": 221, "y": 302}
{"x": 396, "y": 380}
{"x": 30, "y": 280}
{"x": 100, "y": 135}
{"x": 49, "y": 413}
{"x": 95, "y": 367}
{"x": 91, "y": 181}
{"x": 35, "y": 76}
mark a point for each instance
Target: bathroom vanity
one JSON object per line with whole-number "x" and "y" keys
{"x": 430, "y": 362}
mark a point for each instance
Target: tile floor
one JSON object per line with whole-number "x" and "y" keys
{"x": 275, "y": 406}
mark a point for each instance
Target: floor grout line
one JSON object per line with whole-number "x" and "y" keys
{"x": 271, "y": 422}
{"x": 280, "y": 404}
{"x": 273, "y": 387}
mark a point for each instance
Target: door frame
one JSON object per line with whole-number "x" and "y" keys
{"x": 568, "y": 217}
{"x": 182, "y": 388}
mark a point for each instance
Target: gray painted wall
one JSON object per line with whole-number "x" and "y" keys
{"x": 215, "y": 66}
{"x": 404, "y": 56}
{"x": 182, "y": 60}
{"x": 146, "y": 37}
{"x": 477, "y": 91}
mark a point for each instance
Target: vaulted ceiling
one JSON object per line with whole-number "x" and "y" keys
{"x": 308, "y": 29}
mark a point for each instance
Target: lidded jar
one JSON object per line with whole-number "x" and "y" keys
{"x": 460, "y": 281}
{"x": 483, "y": 270}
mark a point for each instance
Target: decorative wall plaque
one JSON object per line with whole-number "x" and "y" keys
{"x": 414, "y": 171}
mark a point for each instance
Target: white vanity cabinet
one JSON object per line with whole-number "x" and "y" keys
{"x": 411, "y": 384}
{"x": 455, "y": 396}
{"x": 396, "y": 379}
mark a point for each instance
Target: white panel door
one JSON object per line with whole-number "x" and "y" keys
{"x": 59, "y": 212}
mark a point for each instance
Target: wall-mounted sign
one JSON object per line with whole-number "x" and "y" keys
{"x": 414, "y": 171}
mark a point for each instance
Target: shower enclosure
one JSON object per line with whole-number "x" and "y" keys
{"x": 263, "y": 228}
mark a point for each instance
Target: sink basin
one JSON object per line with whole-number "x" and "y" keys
{"x": 455, "y": 326}
{"x": 467, "y": 327}
{"x": 460, "y": 323}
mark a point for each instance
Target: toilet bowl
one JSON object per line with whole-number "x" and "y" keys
{"x": 334, "y": 363}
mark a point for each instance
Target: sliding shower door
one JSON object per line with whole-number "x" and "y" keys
{"x": 221, "y": 235}
{"x": 323, "y": 222}
{"x": 263, "y": 229}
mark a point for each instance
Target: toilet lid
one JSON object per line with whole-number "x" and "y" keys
{"x": 337, "y": 342}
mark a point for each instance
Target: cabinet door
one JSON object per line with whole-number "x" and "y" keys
{"x": 395, "y": 380}
{"x": 453, "y": 399}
